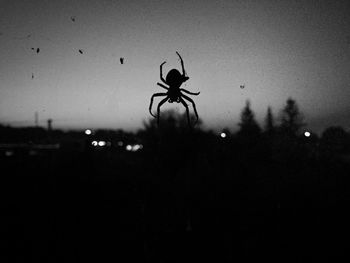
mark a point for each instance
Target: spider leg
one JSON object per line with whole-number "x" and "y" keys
{"x": 158, "y": 108}
{"x": 187, "y": 111}
{"x": 163, "y": 86}
{"x": 193, "y": 104}
{"x": 155, "y": 95}
{"x": 182, "y": 64}
{"x": 161, "y": 72}
{"x": 189, "y": 92}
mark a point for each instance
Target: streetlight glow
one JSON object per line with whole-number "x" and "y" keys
{"x": 128, "y": 147}
{"x": 101, "y": 143}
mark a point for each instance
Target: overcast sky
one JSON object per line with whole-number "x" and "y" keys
{"x": 277, "y": 49}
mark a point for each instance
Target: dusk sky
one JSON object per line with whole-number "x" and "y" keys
{"x": 277, "y": 49}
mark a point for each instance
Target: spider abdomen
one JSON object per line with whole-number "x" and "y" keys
{"x": 174, "y": 78}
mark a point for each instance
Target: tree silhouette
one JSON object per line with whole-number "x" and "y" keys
{"x": 269, "y": 121}
{"x": 171, "y": 129}
{"x": 172, "y": 142}
{"x": 335, "y": 139}
{"x": 248, "y": 125}
{"x": 291, "y": 118}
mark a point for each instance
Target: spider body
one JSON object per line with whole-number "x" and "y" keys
{"x": 174, "y": 95}
{"x": 174, "y": 79}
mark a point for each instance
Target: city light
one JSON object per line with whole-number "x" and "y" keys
{"x": 307, "y": 134}
{"x": 134, "y": 148}
{"x": 88, "y": 132}
{"x": 101, "y": 143}
{"x": 223, "y": 135}
{"x": 9, "y": 153}
{"x": 128, "y": 147}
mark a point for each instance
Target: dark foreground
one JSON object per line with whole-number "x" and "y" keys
{"x": 180, "y": 202}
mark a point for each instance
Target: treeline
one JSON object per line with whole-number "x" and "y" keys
{"x": 284, "y": 131}
{"x": 284, "y": 134}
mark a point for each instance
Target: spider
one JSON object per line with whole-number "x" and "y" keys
{"x": 174, "y": 80}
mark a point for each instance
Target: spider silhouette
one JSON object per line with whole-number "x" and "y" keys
{"x": 174, "y": 80}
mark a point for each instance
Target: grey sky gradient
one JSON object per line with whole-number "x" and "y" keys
{"x": 277, "y": 49}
